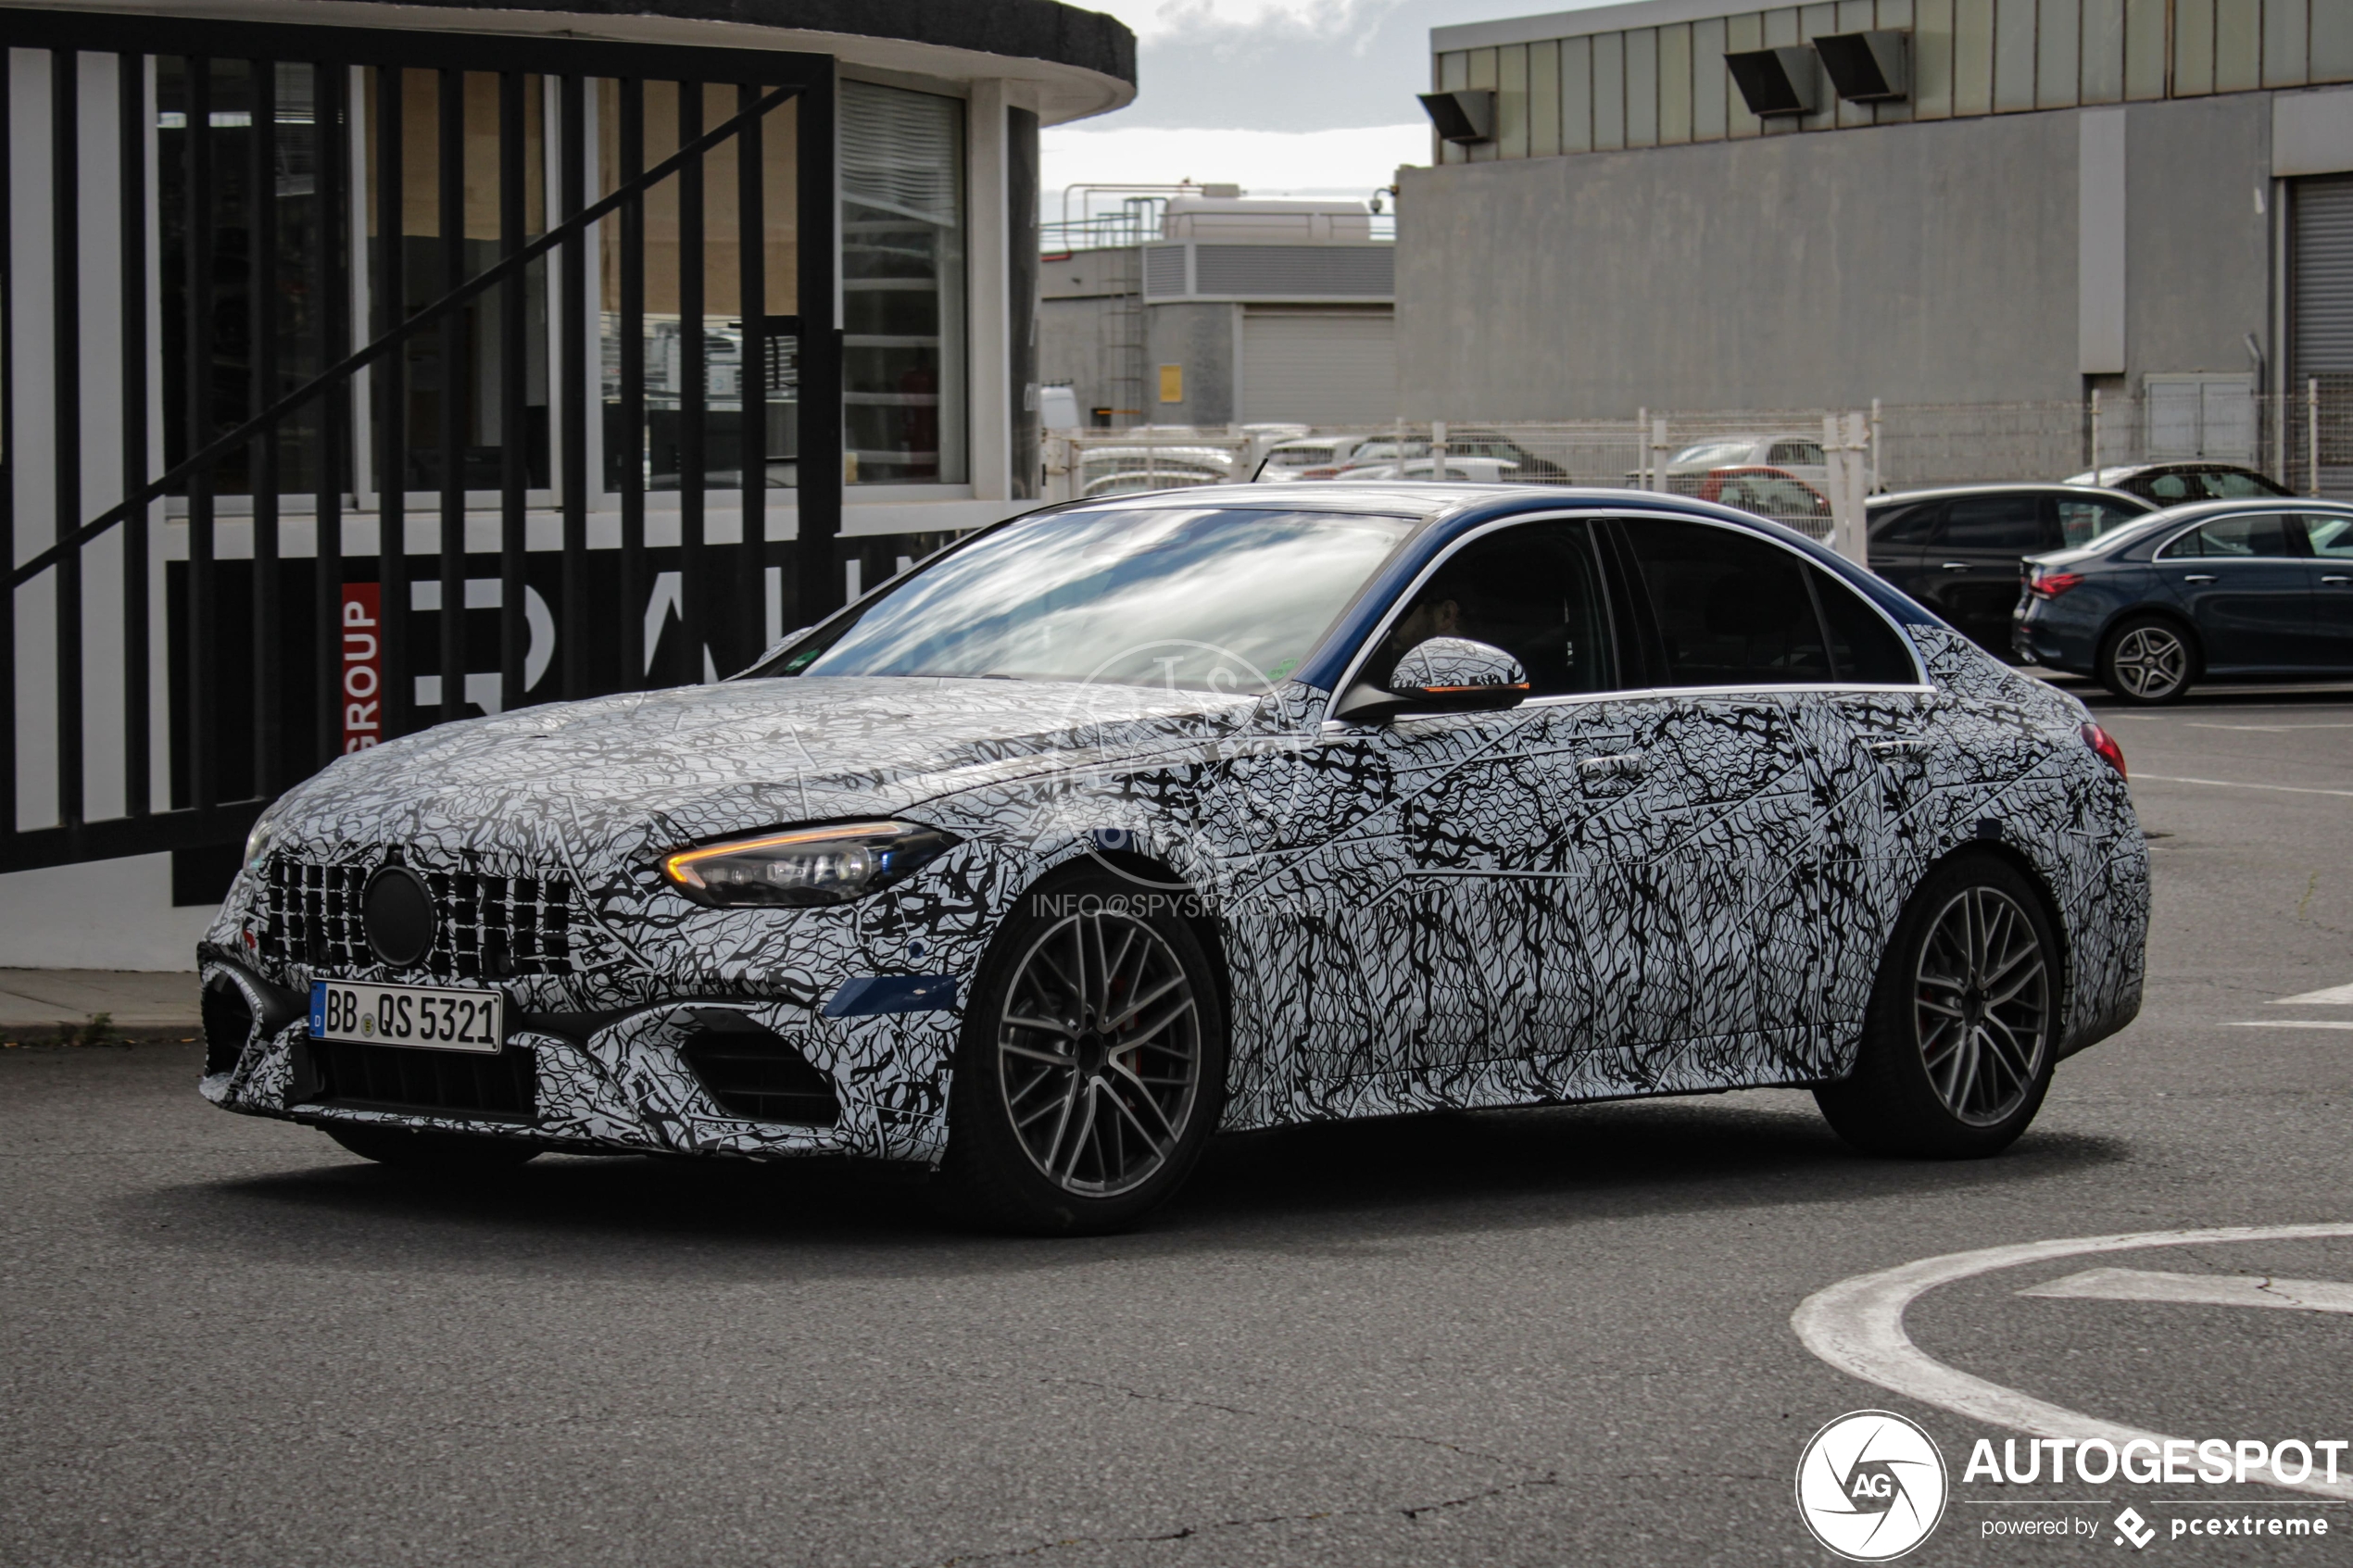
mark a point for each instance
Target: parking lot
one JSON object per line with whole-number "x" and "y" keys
{"x": 1533, "y": 1338}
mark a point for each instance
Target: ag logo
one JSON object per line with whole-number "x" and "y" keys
{"x": 1871, "y": 1486}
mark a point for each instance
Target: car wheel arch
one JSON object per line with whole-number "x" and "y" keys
{"x": 2149, "y": 610}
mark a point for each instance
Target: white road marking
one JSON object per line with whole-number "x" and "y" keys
{"x": 2336, "y": 996}
{"x": 1857, "y": 1327}
{"x": 2234, "y": 784}
{"x": 2200, "y": 1290}
{"x": 2265, "y": 729}
{"x": 2290, "y": 1023}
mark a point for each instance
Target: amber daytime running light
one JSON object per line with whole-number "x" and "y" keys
{"x": 803, "y": 867}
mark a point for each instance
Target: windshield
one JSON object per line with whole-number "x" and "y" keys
{"x": 1201, "y": 598}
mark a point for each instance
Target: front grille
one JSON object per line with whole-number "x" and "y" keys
{"x": 443, "y": 1082}
{"x": 759, "y": 1076}
{"x": 485, "y": 926}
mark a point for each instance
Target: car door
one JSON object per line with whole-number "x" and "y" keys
{"x": 1898, "y": 532}
{"x": 1436, "y": 914}
{"x": 1716, "y": 877}
{"x": 2329, "y": 535}
{"x": 1969, "y": 570}
{"x": 2246, "y": 587}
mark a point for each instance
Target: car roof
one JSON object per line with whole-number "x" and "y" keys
{"x": 2033, "y": 486}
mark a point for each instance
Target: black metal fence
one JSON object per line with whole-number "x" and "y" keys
{"x": 279, "y": 163}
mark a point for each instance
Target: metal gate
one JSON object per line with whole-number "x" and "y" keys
{"x": 291, "y": 283}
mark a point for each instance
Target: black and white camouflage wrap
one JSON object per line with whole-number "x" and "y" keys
{"x": 1631, "y": 893}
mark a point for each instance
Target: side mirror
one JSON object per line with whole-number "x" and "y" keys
{"x": 1442, "y": 675}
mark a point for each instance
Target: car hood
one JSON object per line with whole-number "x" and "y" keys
{"x": 685, "y": 764}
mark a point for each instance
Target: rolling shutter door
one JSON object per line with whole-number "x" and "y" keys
{"x": 1320, "y": 367}
{"x": 2322, "y": 335}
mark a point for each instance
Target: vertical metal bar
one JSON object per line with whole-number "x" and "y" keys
{"x": 694, "y": 387}
{"x": 329, "y": 119}
{"x": 751, "y": 234}
{"x": 819, "y": 588}
{"x": 513, "y": 452}
{"x": 131, "y": 99}
{"x": 633, "y": 389}
{"x": 9, "y": 543}
{"x": 390, "y": 380}
{"x": 452, "y": 619}
{"x": 65, "y": 392}
{"x": 199, "y": 750}
{"x": 261, "y": 338}
{"x": 571, "y": 176}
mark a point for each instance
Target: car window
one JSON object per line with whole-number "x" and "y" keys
{"x": 2167, "y": 488}
{"x": 2226, "y": 485}
{"x": 1992, "y": 522}
{"x": 1731, "y": 609}
{"x": 1907, "y": 525}
{"x": 2331, "y": 536}
{"x": 1221, "y": 599}
{"x": 1711, "y": 454}
{"x": 1531, "y": 590}
{"x": 1771, "y": 496}
{"x": 2082, "y": 522}
{"x": 1864, "y": 647}
{"x": 2260, "y": 534}
{"x": 1795, "y": 452}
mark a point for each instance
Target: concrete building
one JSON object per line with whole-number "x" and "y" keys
{"x": 1239, "y": 311}
{"x": 370, "y": 364}
{"x": 2153, "y": 198}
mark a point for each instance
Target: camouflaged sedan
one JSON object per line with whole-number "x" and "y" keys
{"x": 1120, "y": 823}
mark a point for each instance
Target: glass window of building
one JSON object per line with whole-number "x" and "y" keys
{"x": 902, "y": 286}
{"x": 671, "y": 351}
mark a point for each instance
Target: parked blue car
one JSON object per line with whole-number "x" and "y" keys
{"x": 2233, "y": 589}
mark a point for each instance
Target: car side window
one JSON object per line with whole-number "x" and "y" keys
{"x": 1992, "y": 522}
{"x": 2082, "y": 522}
{"x": 2330, "y": 537}
{"x": 1532, "y": 590}
{"x": 2167, "y": 488}
{"x": 1863, "y": 648}
{"x": 1907, "y": 525}
{"x": 2228, "y": 538}
{"x": 1803, "y": 453}
{"x": 1731, "y": 609}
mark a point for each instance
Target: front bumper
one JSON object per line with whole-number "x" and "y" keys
{"x": 637, "y": 1080}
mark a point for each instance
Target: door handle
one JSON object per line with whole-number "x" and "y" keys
{"x": 1616, "y": 765}
{"x": 1956, "y": 566}
{"x": 2199, "y": 577}
{"x": 1909, "y": 747}
{"x": 2340, "y": 579}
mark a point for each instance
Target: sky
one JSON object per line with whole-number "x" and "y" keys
{"x": 1283, "y": 97}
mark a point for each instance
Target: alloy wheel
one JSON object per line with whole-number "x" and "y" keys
{"x": 1981, "y": 1005}
{"x": 1099, "y": 1052}
{"x": 2150, "y": 662}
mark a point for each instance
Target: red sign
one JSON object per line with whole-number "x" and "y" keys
{"x": 363, "y": 667}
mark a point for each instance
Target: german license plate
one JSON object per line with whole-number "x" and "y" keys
{"x": 422, "y": 1016}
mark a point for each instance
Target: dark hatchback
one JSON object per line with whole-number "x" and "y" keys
{"x": 2257, "y": 588}
{"x": 1958, "y": 551}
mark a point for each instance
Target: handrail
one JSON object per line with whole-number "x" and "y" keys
{"x": 340, "y": 371}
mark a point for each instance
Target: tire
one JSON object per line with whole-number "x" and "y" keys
{"x": 1946, "y": 1070}
{"x": 1058, "y": 1125}
{"x": 409, "y": 1150}
{"x": 2150, "y": 659}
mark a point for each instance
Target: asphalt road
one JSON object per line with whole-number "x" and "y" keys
{"x": 1535, "y": 1337}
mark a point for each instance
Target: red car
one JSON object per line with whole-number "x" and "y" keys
{"x": 1771, "y": 492}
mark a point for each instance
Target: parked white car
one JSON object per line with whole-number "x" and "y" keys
{"x": 1799, "y": 456}
{"x": 1125, "y": 470}
{"x": 1303, "y": 456}
{"x": 1463, "y": 471}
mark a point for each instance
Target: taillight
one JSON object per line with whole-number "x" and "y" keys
{"x": 2104, "y": 743}
{"x": 2044, "y": 584}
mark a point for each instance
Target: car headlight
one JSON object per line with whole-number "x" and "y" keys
{"x": 803, "y": 867}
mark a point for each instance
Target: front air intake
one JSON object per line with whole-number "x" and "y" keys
{"x": 227, "y": 1021}
{"x": 758, "y": 1075}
